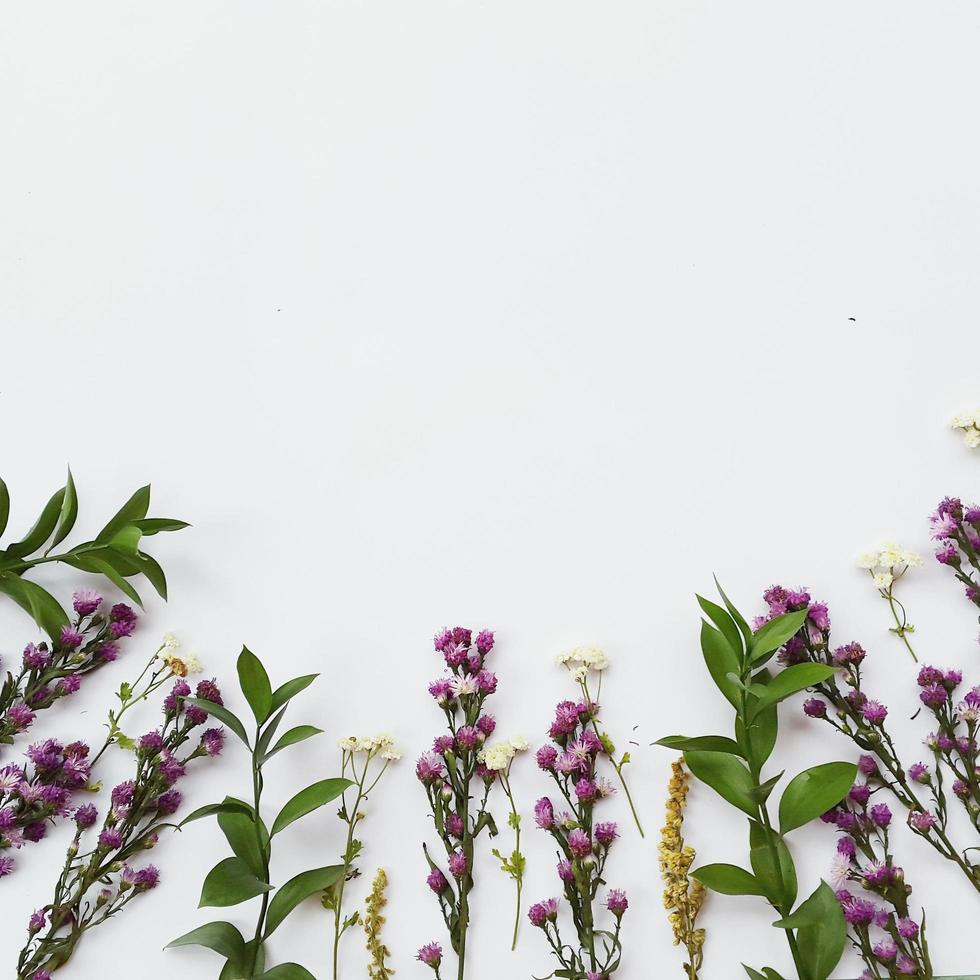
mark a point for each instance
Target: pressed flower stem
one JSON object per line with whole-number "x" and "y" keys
{"x": 901, "y": 622}
{"x": 617, "y": 766}
{"x": 505, "y": 782}
{"x": 257, "y": 786}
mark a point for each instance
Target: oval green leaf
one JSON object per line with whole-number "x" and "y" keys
{"x": 229, "y": 882}
{"x": 309, "y": 799}
{"x": 222, "y": 714}
{"x": 813, "y": 792}
{"x": 222, "y": 937}
{"x": 255, "y": 684}
{"x": 728, "y": 879}
{"x": 726, "y": 775}
{"x": 297, "y": 890}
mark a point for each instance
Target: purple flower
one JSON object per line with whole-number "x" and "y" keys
{"x": 86, "y": 601}
{"x": 19, "y": 718}
{"x": 544, "y": 813}
{"x": 68, "y": 685}
{"x": 168, "y": 802}
{"x": 819, "y": 615}
{"x": 487, "y": 680}
{"x": 908, "y": 928}
{"x": 36, "y": 657}
{"x": 484, "y": 641}
{"x": 546, "y": 757}
{"x": 579, "y": 843}
{"x": 172, "y": 703}
{"x": 436, "y": 880}
{"x": 859, "y": 793}
{"x": 881, "y": 815}
{"x": 948, "y": 555}
{"x": 565, "y": 871}
{"x": 146, "y": 878}
{"x": 110, "y": 838}
{"x": 616, "y": 902}
{"x": 886, "y": 950}
{"x": 37, "y": 921}
{"x": 921, "y": 821}
{"x": 859, "y": 912}
{"x": 70, "y": 638}
{"x": 430, "y": 954}
{"x": 918, "y": 773}
{"x": 585, "y": 790}
{"x": 543, "y": 912}
{"x": 441, "y": 690}
{"x": 934, "y": 696}
{"x": 874, "y": 712}
{"x": 213, "y": 741}
{"x": 85, "y": 816}
{"x": 468, "y": 737}
{"x": 486, "y": 724}
{"x": 457, "y": 864}
{"x": 443, "y": 744}
{"x": 905, "y": 965}
{"x": 846, "y": 846}
{"x": 605, "y": 833}
{"x": 454, "y": 825}
{"x": 850, "y": 653}
{"x": 151, "y": 742}
{"x": 208, "y": 690}
{"x": 428, "y": 768}
{"x": 108, "y": 652}
{"x": 815, "y": 708}
{"x": 867, "y": 765}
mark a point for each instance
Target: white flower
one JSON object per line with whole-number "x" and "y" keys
{"x": 391, "y": 755}
{"x": 519, "y": 743}
{"x": 564, "y": 657}
{"x": 911, "y": 559}
{"x": 883, "y": 580}
{"x": 867, "y": 560}
{"x": 579, "y": 672}
{"x": 497, "y": 756}
{"x": 972, "y": 438}
{"x": 464, "y": 684}
{"x": 890, "y": 556}
{"x": 963, "y": 420}
{"x": 349, "y": 744}
{"x": 170, "y": 642}
{"x": 592, "y": 657}
{"x": 192, "y": 664}
{"x": 839, "y": 870}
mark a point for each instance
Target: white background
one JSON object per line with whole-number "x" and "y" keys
{"x": 525, "y": 315}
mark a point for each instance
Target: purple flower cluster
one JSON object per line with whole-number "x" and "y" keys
{"x": 584, "y": 843}
{"x": 864, "y": 859}
{"x": 450, "y": 775}
{"x": 842, "y": 703}
{"x": 956, "y": 531}
{"x": 48, "y": 673}
{"x": 99, "y": 880}
{"x": 36, "y": 794}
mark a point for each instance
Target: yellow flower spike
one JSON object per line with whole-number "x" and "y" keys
{"x": 373, "y": 920}
{"x": 683, "y": 896}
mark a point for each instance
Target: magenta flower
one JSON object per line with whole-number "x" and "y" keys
{"x": 616, "y": 902}
{"x": 430, "y": 954}
{"x": 579, "y": 843}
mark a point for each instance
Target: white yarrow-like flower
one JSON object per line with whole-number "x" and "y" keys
{"x": 519, "y": 743}
{"x": 497, "y": 756}
{"x": 170, "y": 642}
{"x": 349, "y": 744}
{"x": 193, "y": 665}
{"x": 883, "y": 579}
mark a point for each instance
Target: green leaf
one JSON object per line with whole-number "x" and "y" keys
{"x": 743, "y": 626}
{"x": 4, "y": 506}
{"x": 154, "y": 525}
{"x": 126, "y": 540}
{"x": 726, "y": 775}
{"x": 153, "y": 573}
{"x": 254, "y": 682}
{"x": 309, "y": 799}
{"x": 721, "y": 661}
{"x": 133, "y": 510}
{"x": 791, "y": 681}
{"x": 222, "y": 937}
{"x": 772, "y": 864}
{"x": 762, "y": 730}
{"x": 821, "y": 932}
{"x": 772, "y": 635}
{"x": 227, "y": 806}
{"x": 106, "y": 566}
{"x": 239, "y": 830}
{"x": 763, "y": 790}
{"x": 298, "y": 734}
{"x": 287, "y": 971}
{"x": 38, "y": 602}
{"x": 707, "y": 743}
{"x": 297, "y": 890}
{"x": 222, "y": 714}
{"x": 290, "y": 689}
{"x": 68, "y": 515}
{"x": 753, "y": 974}
{"x": 814, "y": 792}
{"x": 728, "y": 879}
{"x": 229, "y": 882}
{"x": 42, "y": 528}
{"x": 723, "y": 620}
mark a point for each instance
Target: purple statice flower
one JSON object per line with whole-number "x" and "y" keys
{"x": 36, "y": 657}
{"x": 437, "y": 881}
{"x": 484, "y": 641}
{"x": 122, "y": 620}
{"x": 213, "y": 741}
{"x": 859, "y": 912}
{"x": 107, "y": 652}
{"x": 442, "y": 744}
{"x": 172, "y": 703}
{"x": 605, "y": 833}
{"x": 18, "y": 718}
{"x": 85, "y": 816}
{"x": 543, "y": 912}
{"x": 430, "y": 954}
{"x": 859, "y": 793}
{"x": 585, "y": 790}
{"x": 468, "y": 737}
{"x": 429, "y": 768}
{"x": 168, "y": 803}
{"x": 7, "y": 865}
{"x": 880, "y": 814}
{"x": 934, "y": 696}
{"x": 544, "y": 813}
{"x": 70, "y": 638}
{"x": 86, "y": 601}
{"x": 565, "y": 871}
{"x": 908, "y": 928}
{"x": 918, "y": 773}
{"x": 579, "y": 843}
{"x": 874, "y": 712}
{"x": 921, "y": 820}
{"x": 110, "y": 838}
{"x": 458, "y": 864}
{"x": 868, "y": 765}
{"x": 886, "y": 950}
{"x": 815, "y": 708}
{"x": 616, "y": 902}
{"x": 151, "y": 743}
{"x": 487, "y": 725}
{"x": 441, "y": 690}
{"x": 846, "y": 846}
{"x": 546, "y": 757}
{"x": 455, "y": 825}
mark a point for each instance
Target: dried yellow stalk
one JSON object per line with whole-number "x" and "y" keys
{"x": 683, "y": 896}
{"x": 373, "y": 921}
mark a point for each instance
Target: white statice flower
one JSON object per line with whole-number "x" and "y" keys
{"x": 911, "y": 559}
{"x": 592, "y": 657}
{"x": 579, "y": 672}
{"x": 193, "y": 664}
{"x": 519, "y": 743}
{"x": 969, "y": 424}
{"x": 972, "y": 438}
{"x": 497, "y": 756}
{"x": 390, "y": 754}
{"x": 349, "y": 744}
{"x": 464, "y": 684}
{"x": 868, "y": 560}
{"x": 581, "y": 660}
{"x": 565, "y": 657}
{"x": 883, "y": 580}
{"x": 963, "y": 420}
{"x": 170, "y": 642}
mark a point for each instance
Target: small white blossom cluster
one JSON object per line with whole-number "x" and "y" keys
{"x": 888, "y": 564}
{"x": 581, "y": 660}
{"x": 181, "y": 666}
{"x": 969, "y": 424}
{"x": 498, "y": 755}
{"x": 383, "y": 745}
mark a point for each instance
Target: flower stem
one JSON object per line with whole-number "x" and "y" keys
{"x": 901, "y": 623}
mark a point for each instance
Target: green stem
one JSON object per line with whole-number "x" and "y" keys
{"x": 901, "y": 623}
{"x": 351, "y": 823}
{"x": 257, "y": 783}
{"x": 519, "y": 873}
